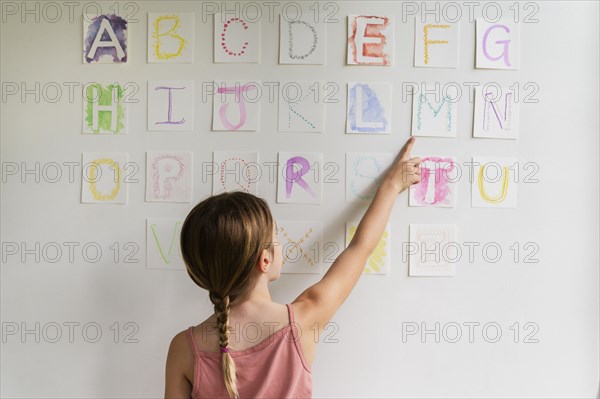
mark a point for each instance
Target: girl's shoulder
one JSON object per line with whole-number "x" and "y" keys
{"x": 180, "y": 343}
{"x": 205, "y": 335}
{"x": 180, "y": 358}
{"x": 183, "y": 342}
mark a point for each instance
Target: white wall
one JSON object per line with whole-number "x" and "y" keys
{"x": 560, "y": 214}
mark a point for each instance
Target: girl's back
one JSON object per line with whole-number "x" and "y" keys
{"x": 268, "y": 354}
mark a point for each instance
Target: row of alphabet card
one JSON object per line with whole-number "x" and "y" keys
{"x": 302, "y": 40}
{"x": 432, "y": 249}
{"x": 300, "y": 177}
{"x": 301, "y": 106}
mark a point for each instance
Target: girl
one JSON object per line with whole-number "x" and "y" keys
{"x": 251, "y": 346}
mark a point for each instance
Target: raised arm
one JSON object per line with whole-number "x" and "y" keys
{"x": 321, "y": 300}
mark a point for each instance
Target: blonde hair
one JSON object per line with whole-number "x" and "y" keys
{"x": 222, "y": 239}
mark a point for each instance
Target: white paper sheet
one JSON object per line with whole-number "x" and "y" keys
{"x": 105, "y": 177}
{"x": 436, "y": 44}
{"x": 498, "y": 44}
{"x": 171, "y": 105}
{"x": 300, "y": 177}
{"x": 236, "y": 171}
{"x": 301, "y": 39}
{"x": 437, "y": 187}
{"x": 494, "y": 183}
{"x": 169, "y": 176}
{"x": 370, "y": 40}
{"x": 171, "y": 37}
{"x": 496, "y": 113}
{"x": 236, "y": 39}
{"x": 105, "y": 39}
{"x": 302, "y": 243}
{"x": 432, "y": 250}
{"x": 236, "y": 105}
{"x": 104, "y": 108}
{"x": 369, "y": 108}
{"x": 379, "y": 260}
{"x": 163, "y": 250}
{"x": 434, "y": 112}
{"x": 364, "y": 172}
{"x": 301, "y": 106}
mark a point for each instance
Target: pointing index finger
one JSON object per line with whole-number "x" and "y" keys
{"x": 407, "y": 147}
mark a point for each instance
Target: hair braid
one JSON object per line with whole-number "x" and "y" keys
{"x": 227, "y": 364}
{"x": 221, "y": 241}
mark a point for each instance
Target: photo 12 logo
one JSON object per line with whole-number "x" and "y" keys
{"x": 469, "y": 332}
{"x": 69, "y": 332}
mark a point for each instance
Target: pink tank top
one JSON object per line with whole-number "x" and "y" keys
{"x": 273, "y": 368}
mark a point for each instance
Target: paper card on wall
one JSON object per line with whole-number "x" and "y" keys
{"x": 236, "y": 105}
{"x": 236, "y": 39}
{"x": 301, "y": 106}
{"x": 494, "y": 183}
{"x": 236, "y": 171}
{"x": 496, "y": 113}
{"x": 438, "y": 182}
{"x": 370, "y": 40}
{"x": 433, "y": 250}
{"x": 300, "y": 244}
{"x": 104, "y": 108}
{"x": 379, "y": 260}
{"x": 171, "y": 105}
{"x": 171, "y": 37}
{"x": 369, "y": 108}
{"x": 104, "y": 177}
{"x": 299, "y": 178}
{"x": 434, "y": 113}
{"x": 498, "y": 44}
{"x": 104, "y": 39}
{"x": 364, "y": 172}
{"x": 169, "y": 176}
{"x": 301, "y": 39}
{"x": 436, "y": 44}
{"x": 162, "y": 244}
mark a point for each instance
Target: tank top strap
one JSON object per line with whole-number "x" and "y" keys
{"x": 296, "y": 338}
{"x": 192, "y": 341}
{"x": 290, "y": 312}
